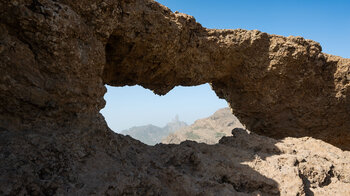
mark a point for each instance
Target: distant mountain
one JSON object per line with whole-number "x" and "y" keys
{"x": 151, "y": 134}
{"x": 208, "y": 130}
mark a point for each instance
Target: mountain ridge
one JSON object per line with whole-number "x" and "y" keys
{"x": 206, "y": 130}
{"x": 152, "y": 134}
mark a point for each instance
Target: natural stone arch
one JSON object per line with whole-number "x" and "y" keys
{"x": 54, "y": 140}
{"x": 276, "y": 86}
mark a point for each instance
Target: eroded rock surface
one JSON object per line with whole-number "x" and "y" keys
{"x": 97, "y": 162}
{"x": 57, "y": 55}
{"x": 277, "y": 86}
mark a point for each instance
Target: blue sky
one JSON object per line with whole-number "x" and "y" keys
{"x": 325, "y": 21}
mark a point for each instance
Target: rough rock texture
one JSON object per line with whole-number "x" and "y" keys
{"x": 56, "y": 56}
{"x": 207, "y": 130}
{"x": 276, "y": 86}
{"x": 39, "y": 164}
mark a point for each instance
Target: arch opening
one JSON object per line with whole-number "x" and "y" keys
{"x": 185, "y": 113}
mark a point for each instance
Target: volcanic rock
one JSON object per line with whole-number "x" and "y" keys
{"x": 57, "y": 55}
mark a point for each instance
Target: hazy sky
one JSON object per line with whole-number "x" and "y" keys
{"x": 325, "y": 21}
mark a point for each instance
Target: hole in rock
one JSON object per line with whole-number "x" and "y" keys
{"x": 185, "y": 113}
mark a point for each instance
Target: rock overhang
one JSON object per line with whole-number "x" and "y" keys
{"x": 277, "y": 86}
{"x": 56, "y": 57}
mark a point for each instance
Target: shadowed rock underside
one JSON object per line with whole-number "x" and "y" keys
{"x": 56, "y": 57}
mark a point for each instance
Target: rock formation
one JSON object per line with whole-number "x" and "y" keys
{"x": 69, "y": 45}
{"x": 56, "y": 56}
{"x": 276, "y": 86}
{"x": 207, "y": 130}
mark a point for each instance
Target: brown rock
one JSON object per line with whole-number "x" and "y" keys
{"x": 56, "y": 57}
{"x": 276, "y": 86}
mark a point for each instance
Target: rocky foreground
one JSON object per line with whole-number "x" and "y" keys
{"x": 103, "y": 163}
{"x": 57, "y": 55}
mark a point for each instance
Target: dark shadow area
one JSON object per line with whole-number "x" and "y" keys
{"x": 56, "y": 57}
{"x": 306, "y": 184}
{"x": 209, "y": 167}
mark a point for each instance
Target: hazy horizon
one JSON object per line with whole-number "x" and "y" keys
{"x": 131, "y": 106}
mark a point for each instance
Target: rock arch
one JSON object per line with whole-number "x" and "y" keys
{"x": 277, "y": 86}
{"x": 56, "y": 57}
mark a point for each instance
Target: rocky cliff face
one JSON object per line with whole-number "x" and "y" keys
{"x": 207, "y": 130}
{"x": 57, "y": 55}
